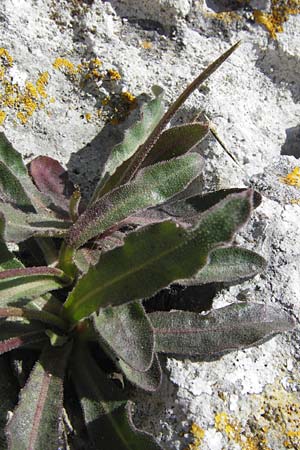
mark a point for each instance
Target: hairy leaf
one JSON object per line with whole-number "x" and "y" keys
{"x": 134, "y": 137}
{"x": 228, "y": 264}
{"x": 189, "y": 209}
{"x": 14, "y": 334}
{"x": 52, "y": 179}
{"x": 226, "y": 329}
{"x": 156, "y": 256}
{"x": 176, "y": 141}
{"x": 28, "y": 282}
{"x": 107, "y": 414}
{"x": 15, "y": 184}
{"x": 34, "y": 425}
{"x": 127, "y": 332}
{"x": 20, "y": 226}
{"x": 144, "y": 150}
{"x": 153, "y": 185}
{"x": 8, "y": 397}
{"x": 148, "y": 381}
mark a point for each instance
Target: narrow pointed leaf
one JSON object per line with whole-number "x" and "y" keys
{"x": 127, "y": 332}
{"x": 152, "y": 186}
{"x": 145, "y": 148}
{"x": 15, "y": 184}
{"x": 52, "y": 179}
{"x": 176, "y": 141}
{"x": 149, "y": 381}
{"x": 20, "y": 226}
{"x": 35, "y": 423}
{"x": 8, "y": 397}
{"x": 28, "y": 282}
{"x": 189, "y": 209}
{"x": 228, "y": 264}
{"x": 106, "y": 412}
{"x": 156, "y": 256}
{"x": 14, "y": 334}
{"x": 134, "y": 137}
{"x": 226, "y": 329}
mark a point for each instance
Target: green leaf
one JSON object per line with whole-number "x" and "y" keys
{"x": 156, "y": 256}
{"x": 148, "y": 381}
{"x": 229, "y": 264}
{"x": 176, "y": 141}
{"x": 189, "y": 209}
{"x": 127, "y": 332}
{"x": 134, "y": 137}
{"x": 8, "y": 397}
{"x": 107, "y": 414}
{"x": 26, "y": 283}
{"x": 153, "y": 185}
{"x": 144, "y": 150}
{"x": 15, "y": 184}
{"x": 19, "y": 226}
{"x": 226, "y": 329}
{"x": 14, "y": 334}
{"x": 35, "y": 423}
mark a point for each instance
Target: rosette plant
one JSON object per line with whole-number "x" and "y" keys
{"x": 75, "y": 331}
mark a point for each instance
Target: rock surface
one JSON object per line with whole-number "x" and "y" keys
{"x": 248, "y": 399}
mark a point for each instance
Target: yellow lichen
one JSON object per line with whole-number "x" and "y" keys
{"x": 147, "y": 45}
{"x": 42, "y": 83}
{"x": 113, "y": 74}
{"x": 2, "y": 117}
{"x": 293, "y": 178}
{"x": 65, "y": 66}
{"x": 280, "y": 12}
{"x": 198, "y": 434}
{"x": 6, "y": 57}
{"x": 88, "y": 117}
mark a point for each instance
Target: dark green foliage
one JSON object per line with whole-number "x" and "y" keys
{"x": 79, "y": 309}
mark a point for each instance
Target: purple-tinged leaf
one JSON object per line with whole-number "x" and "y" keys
{"x": 176, "y": 141}
{"x": 35, "y": 422}
{"x": 19, "y": 341}
{"x": 225, "y": 329}
{"x": 127, "y": 333}
{"x": 149, "y": 380}
{"x": 29, "y": 282}
{"x": 228, "y": 264}
{"x": 34, "y": 314}
{"x": 153, "y": 185}
{"x": 16, "y": 186}
{"x": 106, "y": 412}
{"x": 17, "y": 226}
{"x": 155, "y": 256}
{"x": 52, "y": 179}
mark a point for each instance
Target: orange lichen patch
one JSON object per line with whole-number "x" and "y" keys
{"x": 113, "y": 74}
{"x": 295, "y": 201}
{"x": 65, "y": 66}
{"x": 233, "y": 430}
{"x": 5, "y": 57}
{"x": 198, "y": 434}
{"x": 147, "y": 45}
{"x": 280, "y": 12}
{"x": 293, "y": 178}
{"x": 88, "y": 117}
{"x": 24, "y": 101}
{"x": 2, "y": 117}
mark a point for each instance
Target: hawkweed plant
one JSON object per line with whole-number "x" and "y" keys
{"x": 75, "y": 334}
